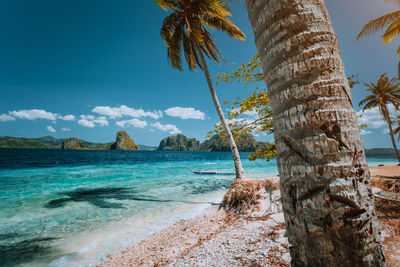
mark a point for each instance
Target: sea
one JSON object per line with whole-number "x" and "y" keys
{"x": 75, "y": 207}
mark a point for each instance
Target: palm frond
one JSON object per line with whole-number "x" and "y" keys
{"x": 185, "y": 28}
{"x": 223, "y": 24}
{"x": 379, "y": 23}
{"x": 392, "y": 31}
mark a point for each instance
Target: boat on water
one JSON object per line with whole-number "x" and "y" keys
{"x": 214, "y": 171}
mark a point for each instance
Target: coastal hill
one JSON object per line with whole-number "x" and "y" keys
{"x": 122, "y": 142}
{"x": 179, "y": 143}
{"x": 212, "y": 144}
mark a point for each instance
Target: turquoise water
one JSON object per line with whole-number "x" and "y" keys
{"x": 77, "y": 212}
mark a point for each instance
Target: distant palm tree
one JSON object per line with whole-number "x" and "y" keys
{"x": 383, "y": 93}
{"x": 186, "y": 28}
{"x": 390, "y": 22}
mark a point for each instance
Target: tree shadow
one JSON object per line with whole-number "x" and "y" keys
{"x": 24, "y": 251}
{"x": 98, "y": 197}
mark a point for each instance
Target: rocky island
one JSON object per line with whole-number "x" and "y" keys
{"x": 245, "y": 143}
{"x": 179, "y": 143}
{"x": 122, "y": 142}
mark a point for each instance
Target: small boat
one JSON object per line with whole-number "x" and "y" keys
{"x": 213, "y": 171}
{"x": 216, "y": 171}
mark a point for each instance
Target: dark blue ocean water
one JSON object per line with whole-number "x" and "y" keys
{"x": 73, "y": 207}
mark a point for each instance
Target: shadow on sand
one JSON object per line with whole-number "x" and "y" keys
{"x": 99, "y": 196}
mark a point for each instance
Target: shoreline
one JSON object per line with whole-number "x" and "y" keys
{"x": 218, "y": 238}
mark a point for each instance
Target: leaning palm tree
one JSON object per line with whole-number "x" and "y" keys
{"x": 324, "y": 178}
{"x": 383, "y": 93}
{"x": 186, "y": 29}
{"x": 389, "y": 22}
{"x": 396, "y": 131}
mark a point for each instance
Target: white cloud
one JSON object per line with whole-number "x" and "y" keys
{"x": 185, "y": 113}
{"x": 386, "y": 131}
{"x": 68, "y": 117}
{"x": 33, "y": 114}
{"x": 133, "y": 122}
{"x": 373, "y": 118}
{"x": 87, "y": 117}
{"x": 172, "y": 129}
{"x": 50, "y": 129}
{"x": 5, "y": 117}
{"x": 118, "y": 112}
{"x": 86, "y": 123}
{"x": 65, "y": 129}
{"x": 91, "y": 121}
{"x": 102, "y": 121}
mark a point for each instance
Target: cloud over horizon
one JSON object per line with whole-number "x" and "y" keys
{"x": 50, "y": 129}
{"x": 132, "y": 122}
{"x": 123, "y": 110}
{"x": 172, "y": 129}
{"x": 185, "y": 113}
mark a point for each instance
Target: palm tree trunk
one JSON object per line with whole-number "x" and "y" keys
{"x": 392, "y": 137}
{"x": 240, "y": 174}
{"x": 325, "y": 181}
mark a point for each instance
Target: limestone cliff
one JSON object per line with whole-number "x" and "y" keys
{"x": 72, "y": 143}
{"x": 245, "y": 143}
{"x": 179, "y": 143}
{"x": 124, "y": 142}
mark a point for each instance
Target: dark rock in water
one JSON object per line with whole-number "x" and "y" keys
{"x": 72, "y": 143}
{"x": 179, "y": 143}
{"x": 244, "y": 142}
{"x": 124, "y": 142}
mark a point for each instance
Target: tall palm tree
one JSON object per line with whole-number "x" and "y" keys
{"x": 389, "y": 22}
{"x": 324, "y": 178}
{"x": 383, "y": 93}
{"x": 396, "y": 131}
{"x": 186, "y": 29}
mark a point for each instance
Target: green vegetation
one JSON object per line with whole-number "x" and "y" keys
{"x": 383, "y": 93}
{"x": 14, "y": 142}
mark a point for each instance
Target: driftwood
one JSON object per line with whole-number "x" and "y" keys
{"x": 382, "y": 194}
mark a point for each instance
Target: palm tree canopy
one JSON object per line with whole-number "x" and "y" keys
{"x": 186, "y": 28}
{"x": 397, "y": 130}
{"x": 383, "y": 92}
{"x": 389, "y": 22}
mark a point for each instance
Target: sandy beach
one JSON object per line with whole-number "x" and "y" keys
{"x": 255, "y": 238}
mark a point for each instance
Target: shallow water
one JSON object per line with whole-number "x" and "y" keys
{"x": 72, "y": 208}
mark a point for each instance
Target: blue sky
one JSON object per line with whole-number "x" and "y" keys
{"x": 91, "y": 68}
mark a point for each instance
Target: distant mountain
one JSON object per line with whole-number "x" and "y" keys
{"x": 15, "y": 142}
{"x": 380, "y": 153}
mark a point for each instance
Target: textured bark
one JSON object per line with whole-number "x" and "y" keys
{"x": 325, "y": 181}
{"x": 240, "y": 174}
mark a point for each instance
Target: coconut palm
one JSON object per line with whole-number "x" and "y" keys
{"x": 185, "y": 29}
{"x": 396, "y": 131}
{"x": 383, "y": 93}
{"x": 389, "y": 22}
{"x": 324, "y": 178}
